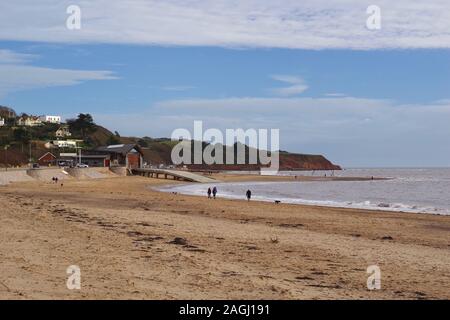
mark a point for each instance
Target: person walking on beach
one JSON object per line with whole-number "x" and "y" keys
{"x": 209, "y": 193}
{"x": 214, "y": 191}
{"x": 248, "y": 194}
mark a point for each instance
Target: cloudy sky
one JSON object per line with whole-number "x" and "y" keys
{"x": 312, "y": 69}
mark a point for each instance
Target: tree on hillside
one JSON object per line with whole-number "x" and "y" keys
{"x": 6, "y": 112}
{"x": 10, "y": 122}
{"x": 22, "y": 136}
{"x": 82, "y": 126}
{"x": 112, "y": 139}
{"x": 142, "y": 143}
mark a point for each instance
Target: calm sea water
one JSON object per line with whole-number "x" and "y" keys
{"x": 409, "y": 190}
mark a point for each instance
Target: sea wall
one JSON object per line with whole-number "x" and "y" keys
{"x": 45, "y": 174}
{"x": 48, "y": 174}
{"x": 90, "y": 173}
{"x": 7, "y": 177}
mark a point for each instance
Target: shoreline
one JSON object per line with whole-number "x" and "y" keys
{"x": 322, "y": 206}
{"x": 237, "y": 178}
{"x": 135, "y": 243}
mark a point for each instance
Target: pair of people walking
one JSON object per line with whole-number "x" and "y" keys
{"x": 213, "y": 192}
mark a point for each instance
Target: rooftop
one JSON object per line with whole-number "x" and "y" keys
{"x": 119, "y": 148}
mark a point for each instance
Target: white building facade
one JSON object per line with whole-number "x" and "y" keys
{"x": 65, "y": 143}
{"x": 50, "y": 119}
{"x": 2, "y": 122}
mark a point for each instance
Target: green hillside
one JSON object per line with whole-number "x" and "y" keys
{"x": 25, "y": 143}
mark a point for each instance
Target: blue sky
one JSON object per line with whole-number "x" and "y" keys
{"x": 384, "y": 102}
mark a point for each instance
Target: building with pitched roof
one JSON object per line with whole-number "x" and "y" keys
{"x": 123, "y": 155}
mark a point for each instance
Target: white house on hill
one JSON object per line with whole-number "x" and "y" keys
{"x": 50, "y": 119}
{"x": 2, "y": 122}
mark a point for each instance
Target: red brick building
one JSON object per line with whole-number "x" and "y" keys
{"x": 47, "y": 160}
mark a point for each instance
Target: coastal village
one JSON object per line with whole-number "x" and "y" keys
{"x": 49, "y": 141}
{"x": 62, "y": 148}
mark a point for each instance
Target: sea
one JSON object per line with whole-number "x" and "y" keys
{"x": 418, "y": 190}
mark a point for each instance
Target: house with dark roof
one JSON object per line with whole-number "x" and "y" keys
{"x": 63, "y": 132}
{"x": 123, "y": 155}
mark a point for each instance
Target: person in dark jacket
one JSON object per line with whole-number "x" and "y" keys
{"x": 248, "y": 194}
{"x": 214, "y": 191}
{"x": 209, "y": 193}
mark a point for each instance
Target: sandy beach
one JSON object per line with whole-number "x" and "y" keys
{"x": 133, "y": 242}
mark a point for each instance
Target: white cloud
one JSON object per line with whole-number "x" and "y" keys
{"x": 308, "y": 24}
{"x": 11, "y": 57}
{"x": 297, "y": 85}
{"x": 335, "y": 94}
{"x": 16, "y": 75}
{"x": 177, "y": 88}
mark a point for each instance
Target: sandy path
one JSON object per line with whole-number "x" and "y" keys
{"x": 121, "y": 235}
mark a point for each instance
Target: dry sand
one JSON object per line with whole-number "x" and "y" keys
{"x": 121, "y": 234}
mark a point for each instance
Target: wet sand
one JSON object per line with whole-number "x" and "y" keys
{"x": 133, "y": 242}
